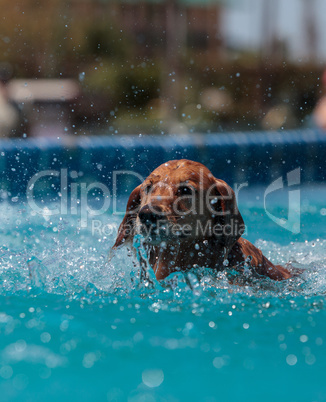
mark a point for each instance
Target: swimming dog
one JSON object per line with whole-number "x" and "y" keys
{"x": 188, "y": 219}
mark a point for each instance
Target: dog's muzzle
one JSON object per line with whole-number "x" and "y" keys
{"x": 154, "y": 223}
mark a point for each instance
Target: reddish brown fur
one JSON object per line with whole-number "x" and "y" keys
{"x": 180, "y": 254}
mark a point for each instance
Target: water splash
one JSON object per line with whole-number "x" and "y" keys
{"x": 74, "y": 263}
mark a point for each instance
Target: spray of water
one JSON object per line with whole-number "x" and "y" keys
{"x": 57, "y": 257}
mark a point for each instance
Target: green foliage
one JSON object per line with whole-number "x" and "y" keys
{"x": 127, "y": 85}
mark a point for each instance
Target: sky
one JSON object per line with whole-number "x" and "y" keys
{"x": 242, "y": 25}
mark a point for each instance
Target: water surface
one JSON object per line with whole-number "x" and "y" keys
{"x": 76, "y": 327}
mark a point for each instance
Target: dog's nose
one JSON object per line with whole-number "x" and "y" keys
{"x": 149, "y": 215}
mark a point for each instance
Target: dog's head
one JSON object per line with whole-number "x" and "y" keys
{"x": 182, "y": 201}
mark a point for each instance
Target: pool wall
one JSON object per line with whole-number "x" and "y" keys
{"x": 256, "y": 158}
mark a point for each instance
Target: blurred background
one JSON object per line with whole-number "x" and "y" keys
{"x": 90, "y": 67}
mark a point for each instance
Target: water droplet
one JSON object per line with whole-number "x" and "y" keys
{"x": 291, "y": 360}
{"x": 153, "y": 378}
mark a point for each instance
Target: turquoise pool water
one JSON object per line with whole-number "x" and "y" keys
{"x": 74, "y": 327}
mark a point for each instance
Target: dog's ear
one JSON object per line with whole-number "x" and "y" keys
{"x": 228, "y": 222}
{"x": 127, "y": 226}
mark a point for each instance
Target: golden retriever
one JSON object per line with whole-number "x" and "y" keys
{"x": 190, "y": 219}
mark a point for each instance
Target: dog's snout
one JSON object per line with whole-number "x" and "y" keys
{"x": 150, "y": 215}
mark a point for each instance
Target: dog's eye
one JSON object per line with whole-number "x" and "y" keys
{"x": 184, "y": 190}
{"x": 147, "y": 189}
